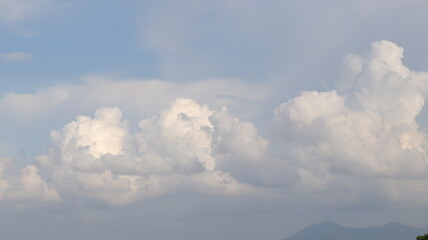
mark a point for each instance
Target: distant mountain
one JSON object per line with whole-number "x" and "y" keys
{"x": 334, "y": 231}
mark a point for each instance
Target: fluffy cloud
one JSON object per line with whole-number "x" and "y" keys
{"x": 364, "y": 133}
{"x": 367, "y": 129}
{"x": 186, "y": 146}
{"x": 15, "y": 57}
{"x": 27, "y": 186}
{"x": 137, "y": 98}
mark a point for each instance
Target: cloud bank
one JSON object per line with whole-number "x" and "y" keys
{"x": 358, "y": 142}
{"x": 181, "y": 148}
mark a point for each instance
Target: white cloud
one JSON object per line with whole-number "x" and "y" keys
{"x": 183, "y": 132}
{"x": 177, "y": 149}
{"x": 27, "y": 186}
{"x": 30, "y": 185}
{"x": 15, "y": 57}
{"x": 99, "y": 136}
{"x": 139, "y": 97}
{"x": 364, "y": 133}
{"x": 33, "y": 105}
{"x": 368, "y": 129}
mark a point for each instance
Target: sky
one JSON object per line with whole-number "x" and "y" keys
{"x": 214, "y": 119}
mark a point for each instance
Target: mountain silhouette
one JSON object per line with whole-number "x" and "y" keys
{"x": 334, "y": 231}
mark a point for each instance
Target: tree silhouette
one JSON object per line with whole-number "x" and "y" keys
{"x": 424, "y": 237}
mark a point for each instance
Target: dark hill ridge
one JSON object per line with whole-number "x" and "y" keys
{"x": 334, "y": 231}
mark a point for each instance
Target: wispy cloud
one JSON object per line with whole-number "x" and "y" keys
{"x": 15, "y": 57}
{"x": 13, "y": 12}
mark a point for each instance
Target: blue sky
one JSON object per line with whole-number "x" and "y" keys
{"x": 77, "y": 38}
{"x": 231, "y": 119}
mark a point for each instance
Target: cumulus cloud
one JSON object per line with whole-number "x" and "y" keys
{"x": 27, "y": 186}
{"x": 366, "y": 129}
{"x": 180, "y": 148}
{"x": 30, "y": 185}
{"x": 15, "y": 57}
{"x": 55, "y": 105}
{"x": 366, "y": 132}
